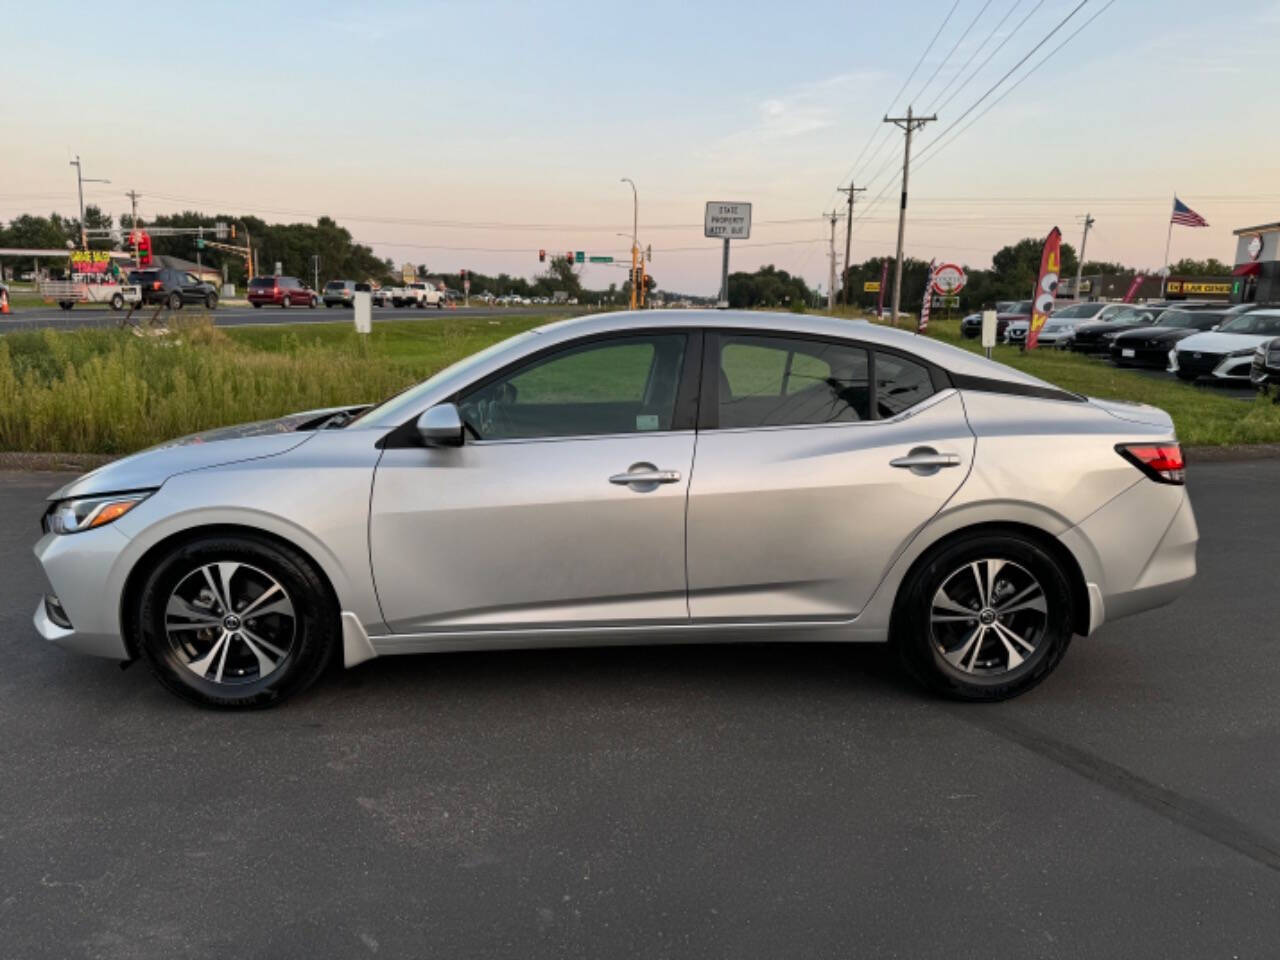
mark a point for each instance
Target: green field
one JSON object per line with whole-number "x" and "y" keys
{"x": 111, "y": 391}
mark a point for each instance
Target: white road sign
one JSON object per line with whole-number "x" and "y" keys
{"x": 727, "y": 220}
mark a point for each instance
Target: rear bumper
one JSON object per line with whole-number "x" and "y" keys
{"x": 1139, "y": 549}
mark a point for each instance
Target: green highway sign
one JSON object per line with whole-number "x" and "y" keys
{"x": 579, "y": 257}
{"x": 601, "y": 259}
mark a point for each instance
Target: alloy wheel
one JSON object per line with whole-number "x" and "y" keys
{"x": 230, "y": 622}
{"x": 988, "y": 617}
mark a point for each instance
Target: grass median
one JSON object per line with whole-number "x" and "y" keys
{"x": 112, "y": 392}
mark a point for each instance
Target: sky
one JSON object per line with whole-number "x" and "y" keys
{"x": 472, "y": 134}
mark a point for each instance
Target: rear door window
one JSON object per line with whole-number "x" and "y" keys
{"x": 769, "y": 381}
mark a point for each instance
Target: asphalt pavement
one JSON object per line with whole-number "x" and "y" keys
{"x": 755, "y": 801}
{"x": 231, "y": 315}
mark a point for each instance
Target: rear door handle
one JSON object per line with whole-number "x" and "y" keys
{"x": 924, "y": 461}
{"x": 646, "y": 476}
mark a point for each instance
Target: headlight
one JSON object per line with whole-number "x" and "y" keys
{"x": 1243, "y": 353}
{"x": 75, "y": 516}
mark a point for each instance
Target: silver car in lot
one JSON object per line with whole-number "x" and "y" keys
{"x": 649, "y": 477}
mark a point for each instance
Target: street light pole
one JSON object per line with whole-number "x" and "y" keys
{"x": 81, "y": 180}
{"x": 635, "y": 231}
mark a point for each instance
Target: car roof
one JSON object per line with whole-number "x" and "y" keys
{"x": 950, "y": 358}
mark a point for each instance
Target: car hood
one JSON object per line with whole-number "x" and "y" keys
{"x": 1215, "y": 341}
{"x": 1155, "y": 333}
{"x": 211, "y": 448}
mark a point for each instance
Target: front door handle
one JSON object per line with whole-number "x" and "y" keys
{"x": 924, "y": 461}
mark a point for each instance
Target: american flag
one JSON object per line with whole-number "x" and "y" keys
{"x": 1184, "y": 215}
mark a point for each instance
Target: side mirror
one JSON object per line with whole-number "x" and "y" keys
{"x": 441, "y": 426}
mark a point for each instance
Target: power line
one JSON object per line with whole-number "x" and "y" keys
{"x": 905, "y": 82}
{"x": 976, "y": 50}
{"x": 1036, "y": 66}
{"x": 956, "y": 46}
{"x": 1012, "y": 33}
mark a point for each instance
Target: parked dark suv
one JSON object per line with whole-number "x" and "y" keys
{"x": 174, "y": 288}
{"x": 281, "y": 292}
{"x": 339, "y": 293}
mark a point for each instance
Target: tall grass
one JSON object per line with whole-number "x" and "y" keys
{"x": 108, "y": 391}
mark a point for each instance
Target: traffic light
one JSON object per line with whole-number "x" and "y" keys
{"x": 464, "y": 273}
{"x": 569, "y": 256}
{"x": 542, "y": 256}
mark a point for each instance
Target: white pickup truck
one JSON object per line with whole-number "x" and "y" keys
{"x": 420, "y": 295}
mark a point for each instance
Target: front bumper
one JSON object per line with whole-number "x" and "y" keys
{"x": 1218, "y": 366}
{"x": 1155, "y": 357}
{"x": 79, "y": 568}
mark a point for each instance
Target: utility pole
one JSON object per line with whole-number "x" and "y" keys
{"x": 909, "y": 123}
{"x": 848, "y": 240}
{"x": 1088, "y": 222}
{"x": 833, "y": 216}
{"x": 133, "y": 224}
{"x": 81, "y": 180}
{"x": 635, "y": 229}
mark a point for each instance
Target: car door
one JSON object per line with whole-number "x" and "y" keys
{"x": 817, "y": 462}
{"x": 565, "y": 506}
{"x": 191, "y": 289}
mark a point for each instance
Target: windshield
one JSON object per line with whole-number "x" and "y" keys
{"x": 1186, "y": 320}
{"x": 1263, "y": 324}
{"x": 1079, "y": 310}
{"x": 408, "y": 399}
{"x": 1020, "y": 307}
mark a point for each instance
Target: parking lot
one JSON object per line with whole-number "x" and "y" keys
{"x": 705, "y": 801}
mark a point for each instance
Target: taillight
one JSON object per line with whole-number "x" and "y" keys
{"x": 1161, "y": 462}
{"x": 156, "y": 285}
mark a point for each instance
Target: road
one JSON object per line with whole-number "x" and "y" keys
{"x": 228, "y": 315}
{"x": 769, "y": 801}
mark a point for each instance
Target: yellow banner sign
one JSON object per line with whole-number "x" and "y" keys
{"x": 871, "y": 286}
{"x": 1196, "y": 286}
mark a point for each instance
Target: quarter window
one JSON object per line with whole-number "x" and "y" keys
{"x": 607, "y": 387}
{"x": 776, "y": 381}
{"x": 900, "y": 384}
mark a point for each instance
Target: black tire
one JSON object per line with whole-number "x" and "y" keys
{"x": 328, "y": 305}
{"x": 921, "y": 648}
{"x": 175, "y": 301}
{"x": 439, "y": 304}
{"x": 66, "y": 304}
{"x": 315, "y": 302}
{"x": 257, "y": 306}
{"x": 211, "y": 301}
{"x": 313, "y": 637}
{"x": 117, "y": 302}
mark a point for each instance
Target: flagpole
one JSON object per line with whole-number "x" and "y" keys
{"x": 1164, "y": 277}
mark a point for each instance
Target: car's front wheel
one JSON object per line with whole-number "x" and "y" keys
{"x": 984, "y": 617}
{"x": 211, "y": 301}
{"x": 236, "y": 621}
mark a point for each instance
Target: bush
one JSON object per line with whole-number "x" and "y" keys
{"x": 110, "y": 391}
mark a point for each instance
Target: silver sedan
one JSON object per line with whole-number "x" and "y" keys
{"x": 653, "y": 477}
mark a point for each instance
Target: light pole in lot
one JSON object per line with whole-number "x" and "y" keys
{"x": 81, "y": 180}
{"x": 635, "y": 230}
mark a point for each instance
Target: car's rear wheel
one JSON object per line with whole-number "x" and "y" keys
{"x": 117, "y": 301}
{"x": 175, "y": 301}
{"x": 984, "y": 617}
{"x": 236, "y": 621}
{"x": 257, "y": 306}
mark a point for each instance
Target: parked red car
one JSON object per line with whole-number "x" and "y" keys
{"x": 281, "y": 292}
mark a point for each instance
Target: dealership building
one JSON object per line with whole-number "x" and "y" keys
{"x": 1257, "y": 264}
